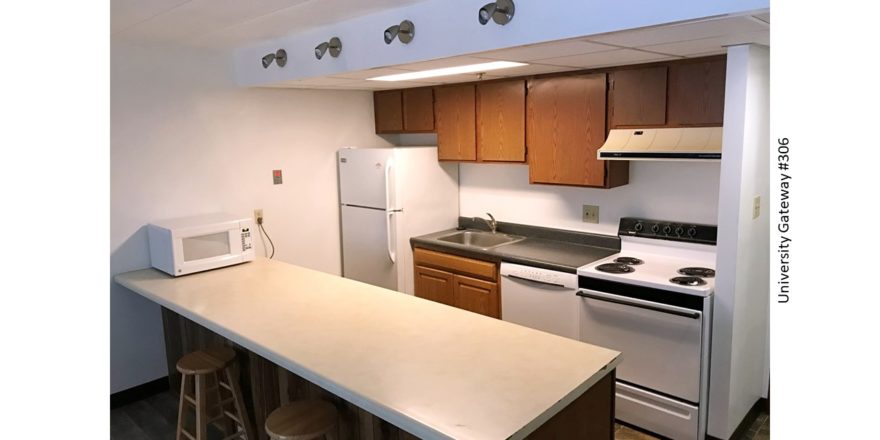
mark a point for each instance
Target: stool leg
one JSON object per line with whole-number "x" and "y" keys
{"x": 240, "y": 409}
{"x": 225, "y": 422}
{"x": 201, "y": 407}
{"x": 181, "y": 412}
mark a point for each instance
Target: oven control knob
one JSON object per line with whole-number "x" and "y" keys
{"x": 655, "y": 228}
{"x": 679, "y": 231}
{"x": 667, "y": 229}
{"x": 692, "y": 232}
{"x": 639, "y": 226}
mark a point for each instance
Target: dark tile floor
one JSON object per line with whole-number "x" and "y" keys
{"x": 155, "y": 418}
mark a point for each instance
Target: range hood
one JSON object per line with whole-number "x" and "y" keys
{"x": 694, "y": 143}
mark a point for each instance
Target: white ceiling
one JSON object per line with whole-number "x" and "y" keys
{"x": 225, "y": 24}
{"x": 669, "y": 42}
{"x": 230, "y": 23}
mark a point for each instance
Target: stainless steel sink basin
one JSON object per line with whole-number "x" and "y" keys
{"x": 480, "y": 239}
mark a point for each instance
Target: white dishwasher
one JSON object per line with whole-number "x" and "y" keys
{"x": 539, "y": 298}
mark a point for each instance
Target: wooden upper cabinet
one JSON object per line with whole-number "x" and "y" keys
{"x": 388, "y": 109}
{"x": 404, "y": 111}
{"x": 501, "y": 121}
{"x": 696, "y": 93}
{"x": 455, "y": 117}
{"x": 566, "y": 125}
{"x": 418, "y": 110}
{"x": 477, "y": 296}
{"x": 638, "y": 97}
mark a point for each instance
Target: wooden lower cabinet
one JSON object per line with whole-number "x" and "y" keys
{"x": 435, "y": 285}
{"x": 477, "y": 296}
{"x": 461, "y": 282}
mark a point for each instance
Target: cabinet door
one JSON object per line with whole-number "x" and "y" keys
{"x": 388, "y": 109}
{"x": 418, "y": 110}
{"x": 696, "y": 93}
{"x": 455, "y": 114}
{"x": 566, "y": 125}
{"x": 638, "y": 97}
{"x": 435, "y": 285}
{"x": 477, "y": 296}
{"x": 501, "y": 121}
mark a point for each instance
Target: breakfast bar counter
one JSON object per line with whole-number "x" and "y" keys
{"x": 431, "y": 370}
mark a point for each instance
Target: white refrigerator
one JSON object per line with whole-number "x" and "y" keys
{"x": 388, "y": 195}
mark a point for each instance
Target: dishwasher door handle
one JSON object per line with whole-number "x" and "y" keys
{"x": 546, "y": 283}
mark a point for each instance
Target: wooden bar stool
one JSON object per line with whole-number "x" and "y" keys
{"x": 303, "y": 420}
{"x": 198, "y": 367}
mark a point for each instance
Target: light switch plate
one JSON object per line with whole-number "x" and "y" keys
{"x": 756, "y": 208}
{"x": 276, "y": 177}
{"x": 590, "y": 214}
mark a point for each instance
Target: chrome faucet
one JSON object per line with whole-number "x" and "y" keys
{"x": 491, "y": 223}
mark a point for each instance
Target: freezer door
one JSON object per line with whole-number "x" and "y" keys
{"x": 365, "y": 174}
{"x": 367, "y": 248}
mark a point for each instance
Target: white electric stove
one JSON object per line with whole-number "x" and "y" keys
{"x": 653, "y": 302}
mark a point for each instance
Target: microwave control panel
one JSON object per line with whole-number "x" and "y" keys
{"x": 246, "y": 243}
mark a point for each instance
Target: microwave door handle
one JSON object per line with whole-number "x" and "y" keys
{"x": 654, "y": 307}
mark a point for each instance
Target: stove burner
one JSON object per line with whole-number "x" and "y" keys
{"x": 688, "y": 281}
{"x": 614, "y": 268}
{"x": 702, "y": 272}
{"x": 628, "y": 260}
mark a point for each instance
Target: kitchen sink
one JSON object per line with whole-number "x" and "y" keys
{"x": 480, "y": 239}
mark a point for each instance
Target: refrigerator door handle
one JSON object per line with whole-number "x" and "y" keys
{"x": 391, "y": 253}
{"x": 388, "y": 186}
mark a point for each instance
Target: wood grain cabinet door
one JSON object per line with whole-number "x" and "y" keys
{"x": 418, "y": 110}
{"x": 455, "y": 119}
{"x": 696, "y": 93}
{"x": 434, "y": 285}
{"x": 566, "y": 125}
{"x": 388, "y": 109}
{"x": 638, "y": 97}
{"x": 477, "y": 296}
{"x": 501, "y": 121}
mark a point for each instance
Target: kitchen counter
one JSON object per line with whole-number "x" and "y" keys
{"x": 432, "y": 370}
{"x": 553, "y": 249}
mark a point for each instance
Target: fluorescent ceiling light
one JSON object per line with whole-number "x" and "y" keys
{"x": 470, "y": 68}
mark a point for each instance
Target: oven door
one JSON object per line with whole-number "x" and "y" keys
{"x": 660, "y": 343}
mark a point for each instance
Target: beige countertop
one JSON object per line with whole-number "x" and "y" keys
{"x": 430, "y": 369}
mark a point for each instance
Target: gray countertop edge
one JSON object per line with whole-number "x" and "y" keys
{"x": 497, "y": 254}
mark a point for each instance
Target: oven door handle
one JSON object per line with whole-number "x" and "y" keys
{"x": 654, "y": 307}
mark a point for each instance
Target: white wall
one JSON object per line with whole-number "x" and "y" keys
{"x": 741, "y": 323}
{"x": 450, "y": 28}
{"x": 185, "y": 140}
{"x": 681, "y": 191}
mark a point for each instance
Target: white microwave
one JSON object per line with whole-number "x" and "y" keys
{"x": 187, "y": 245}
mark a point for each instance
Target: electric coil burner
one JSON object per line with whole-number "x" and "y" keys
{"x": 688, "y": 281}
{"x": 653, "y": 301}
{"x": 628, "y": 260}
{"x": 615, "y": 268}
{"x": 702, "y": 272}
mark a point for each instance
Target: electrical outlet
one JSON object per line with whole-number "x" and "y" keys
{"x": 756, "y": 207}
{"x": 590, "y": 214}
{"x": 258, "y": 215}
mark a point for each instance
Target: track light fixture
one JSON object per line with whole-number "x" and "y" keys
{"x": 404, "y": 32}
{"x": 500, "y": 11}
{"x": 335, "y": 46}
{"x": 280, "y": 58}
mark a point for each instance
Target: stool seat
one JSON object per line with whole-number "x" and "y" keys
{"x": 301, "y": 420}
{"x": 206, "y": 361}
